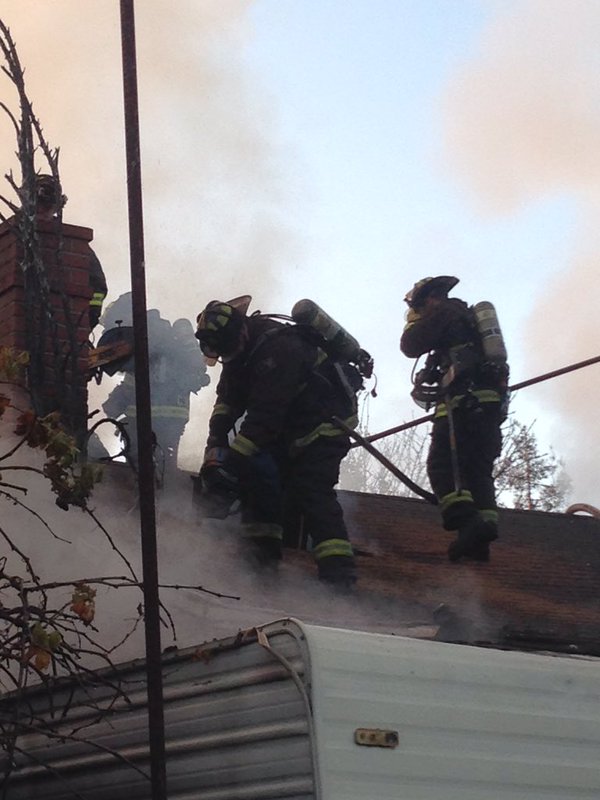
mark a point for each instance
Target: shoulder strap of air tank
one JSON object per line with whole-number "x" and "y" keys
{"x": 266, "y": 335}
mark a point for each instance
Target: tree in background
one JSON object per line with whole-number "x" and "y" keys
{"x": 530, "y": 479}
{"x": 361, "y": 472}
{"x": 525, "y": 477}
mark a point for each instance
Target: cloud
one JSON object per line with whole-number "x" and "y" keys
{"x": 522, "y": 115}
{"x": 523, "y": 123}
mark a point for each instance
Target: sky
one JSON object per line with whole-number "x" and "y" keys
{"x": 341, "y": 150}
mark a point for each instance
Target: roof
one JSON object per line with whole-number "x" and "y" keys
{"x": 538, "y": 592}
{"x": 540, "y": 586}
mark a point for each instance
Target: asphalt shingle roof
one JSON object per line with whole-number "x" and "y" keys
{"x": 541, "y": 585}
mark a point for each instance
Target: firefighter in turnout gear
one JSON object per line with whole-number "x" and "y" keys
{"x": 465, "y": 378}
{"x": 282, "y": 389}
{"x": 176, "y": 370}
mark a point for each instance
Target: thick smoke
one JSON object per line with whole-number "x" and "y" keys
{"x": 523, "y": 124}
{"x": 193, "y": 552}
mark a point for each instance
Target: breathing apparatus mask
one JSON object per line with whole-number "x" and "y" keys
{"x": 426, "y": 391}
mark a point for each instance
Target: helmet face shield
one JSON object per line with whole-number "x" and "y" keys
{"x": 413, "y": 297}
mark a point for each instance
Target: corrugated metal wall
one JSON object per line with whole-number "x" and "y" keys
{"x": 473, "y": 723}
{"x": 236, "y": 729}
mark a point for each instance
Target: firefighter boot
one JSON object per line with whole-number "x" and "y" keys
{"x": 473, "y": 540}
{"x": 337, "y": 571}
{"x": 261, "y": 543}
{"x": 480, "y": 549}
{"x": 264, "y": 552}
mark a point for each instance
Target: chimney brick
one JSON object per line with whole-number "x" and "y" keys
{"x": 65, "y": 253}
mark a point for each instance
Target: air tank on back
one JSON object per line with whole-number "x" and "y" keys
{"x": 488, "y": 326}
{"x": 342, "y": 344}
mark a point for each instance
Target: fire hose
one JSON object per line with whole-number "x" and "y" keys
{"x": 366, "y": 442}
{"x": 431, "y": 498}
{"x": 522, "y": 385}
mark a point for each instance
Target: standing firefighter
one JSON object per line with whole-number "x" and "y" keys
{"x": 465, "y": 377}
{"x": 284, "y": 460}
{"x": 49, "y": 200}
{"x": 176, "y": 368}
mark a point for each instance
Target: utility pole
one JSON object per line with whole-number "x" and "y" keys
{"x": 143, "y": 407}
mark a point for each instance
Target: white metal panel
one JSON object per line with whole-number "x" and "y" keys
{"x": 473, "y": 723}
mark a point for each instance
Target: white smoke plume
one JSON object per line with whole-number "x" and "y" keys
{"x": 523, "y": 124}
{"x": 210, "y": 170}
{"x": 193, "y": 551}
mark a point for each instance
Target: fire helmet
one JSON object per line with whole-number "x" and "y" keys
{"x": 219, "y": 330}
{"x": 442, "y": 284}
{"x": 120, "y": 311}
{"x": 183, "y": 328}
{"x": 48, "y": 192}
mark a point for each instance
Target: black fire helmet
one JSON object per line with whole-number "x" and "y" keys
{"x": 420, "y": 291}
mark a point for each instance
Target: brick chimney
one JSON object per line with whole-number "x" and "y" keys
{"x": 45, "y": 312}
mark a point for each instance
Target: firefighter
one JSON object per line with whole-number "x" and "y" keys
{"x": 176, "y": 370}
{"x": 49, "y": 201}
{"x": 99, "y": 289}
{"x": 284, "y": 460}
{"x": 469, "y": 392}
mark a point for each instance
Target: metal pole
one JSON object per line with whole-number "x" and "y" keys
{"x": 453, "y": 445}
{"x": 546, "y": 376}
{"x": 143, "y": 408}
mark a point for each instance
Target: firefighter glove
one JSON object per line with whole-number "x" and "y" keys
{"x": 214, "y": 457}
{"x": 223, "y": 473}
{"x": 218, "y": 480}
{"x": 214, "y": 477}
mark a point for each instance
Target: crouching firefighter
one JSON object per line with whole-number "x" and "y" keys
{"x": 284, "y": 460}
{"x": 465, "y": 379}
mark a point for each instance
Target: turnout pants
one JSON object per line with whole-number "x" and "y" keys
{"x": 478, "y": 444}
{"x": 293, "y": 499}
